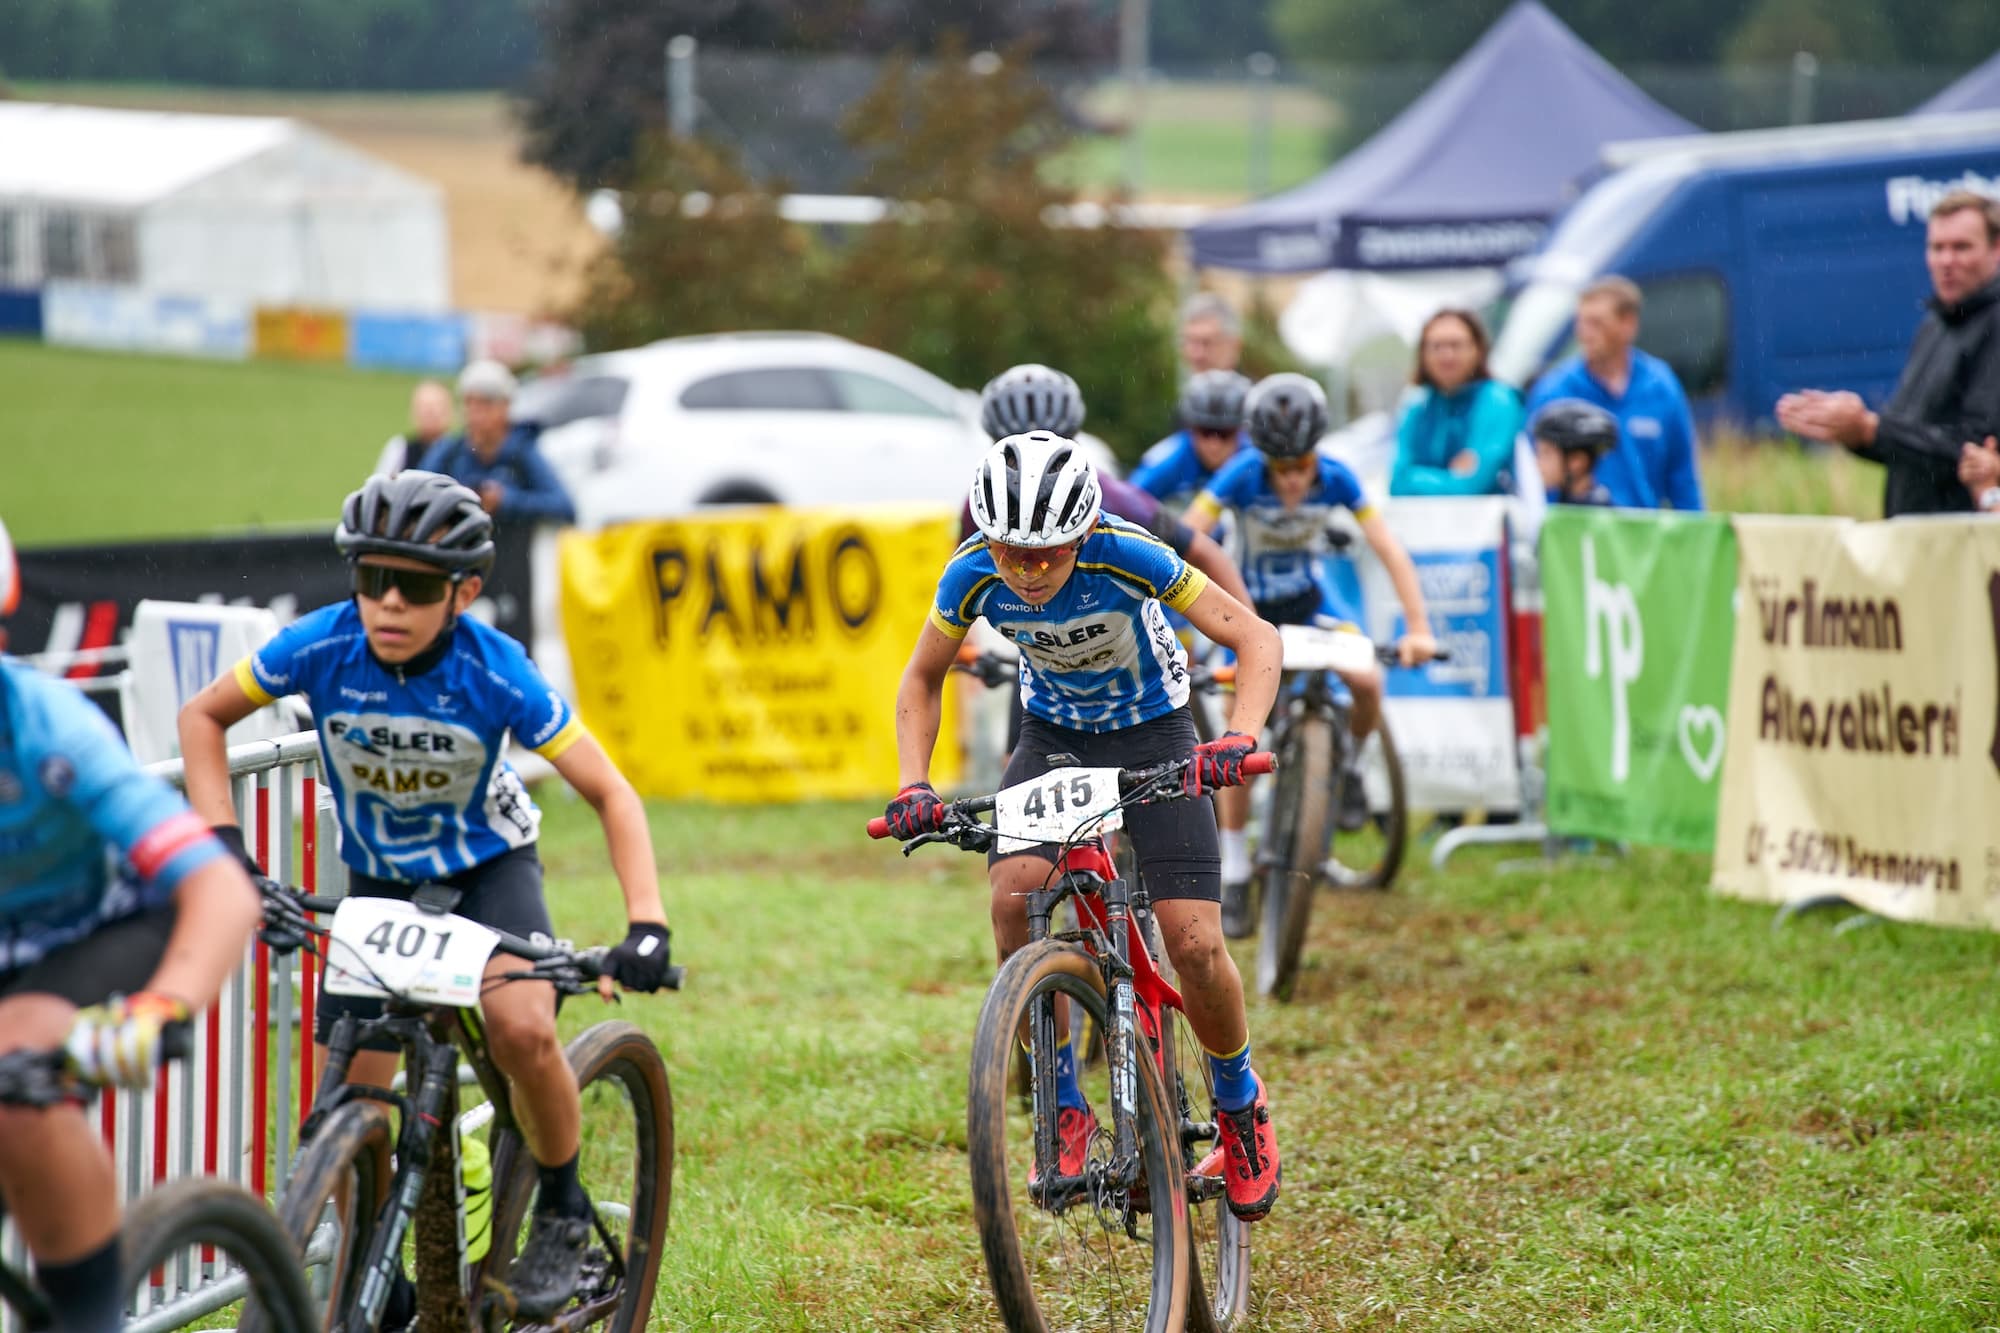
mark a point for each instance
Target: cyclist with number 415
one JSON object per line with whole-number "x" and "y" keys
{"x": 1105, "y": 683}
{"x": 414, "y": 701}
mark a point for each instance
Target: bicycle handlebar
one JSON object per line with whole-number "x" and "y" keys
{"x": 36, "y": 1078}
{"x": 1129, "y": 779}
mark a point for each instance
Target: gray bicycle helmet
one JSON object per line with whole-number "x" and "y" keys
{"x": 1286, "y": 414}
{"x": 1213, "y": 400}
{"x": 1571, "y": 424}
{"x": 1031, "y": 397}
{"x": 422, "y": 515}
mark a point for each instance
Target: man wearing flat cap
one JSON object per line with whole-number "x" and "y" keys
{"x": 496, "y": 459}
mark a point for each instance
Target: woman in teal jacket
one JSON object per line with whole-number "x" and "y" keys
{"x": 1456, "y": 436}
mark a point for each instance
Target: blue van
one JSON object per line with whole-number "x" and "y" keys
{"x": 1771, "y": 260}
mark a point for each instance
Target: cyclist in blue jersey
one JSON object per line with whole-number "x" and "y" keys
{"x": 1104, "y": 679}
{"x": 119, "y": 914}
{"x": 1282, "y": 494}
{"x": 414, "y": 704}
{"x": 1178, "y": 468}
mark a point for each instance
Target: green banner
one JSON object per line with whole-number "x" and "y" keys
{"x": 1637, "y": 630}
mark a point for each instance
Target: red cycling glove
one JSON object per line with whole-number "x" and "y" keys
{"x": 915, "y": 810}
{"x": 1219, "y": 763}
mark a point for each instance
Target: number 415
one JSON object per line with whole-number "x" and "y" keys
{"x": 1079, "y": 794}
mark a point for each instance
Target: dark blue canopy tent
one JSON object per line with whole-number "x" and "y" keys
{"x": 1468, "y": 176}
{"x": 1977, "y": 91}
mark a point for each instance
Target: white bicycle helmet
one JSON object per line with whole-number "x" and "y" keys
{"x": 1036, "y": 489}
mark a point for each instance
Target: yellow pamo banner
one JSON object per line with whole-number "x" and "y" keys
{"x": 753, "y": 654}
{"x": 1863, "y": 761}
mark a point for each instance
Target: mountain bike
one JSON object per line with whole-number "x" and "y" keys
{"x": 358, "y": 1186}
{"x": 1068, "y": 1251}
{"x": 197, "y": 1245}
{"x": 1309, "y": 732}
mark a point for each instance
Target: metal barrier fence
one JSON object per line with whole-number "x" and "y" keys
{"x": 230, "y": 1109}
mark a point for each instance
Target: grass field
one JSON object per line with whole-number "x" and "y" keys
{"x": 1571, "y": 1098}
{"x": 104, "y": 445}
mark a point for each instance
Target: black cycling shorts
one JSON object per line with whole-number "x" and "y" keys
{"x": 117, "y": 958}
{"x": 504, "y": 893}
{"x": 1174, "y": 840}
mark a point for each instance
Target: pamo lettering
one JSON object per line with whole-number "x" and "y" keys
{"x": 405, "y": 761}
{"x": 1869, "y": 722}
{"x": 770, "y": 590}
{"x": 1911, "y": 198}
{"x": 1860, "y": 623}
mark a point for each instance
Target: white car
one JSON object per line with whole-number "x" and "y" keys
{"x": 752, "y": 418}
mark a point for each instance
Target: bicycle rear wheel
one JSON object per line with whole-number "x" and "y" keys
{"x": 1301, "y": 821}
{"x": 1370, "y": 858}
{"x": 1100, "y": 1257}
{"x": 203, "y": 1246}
{"x": 333, "y": 1203}
{"x": 627, "y": 1166}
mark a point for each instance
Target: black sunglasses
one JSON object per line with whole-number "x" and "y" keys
{"x": 420, "y": 587}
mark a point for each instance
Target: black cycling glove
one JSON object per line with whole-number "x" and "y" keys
{"x": 641, "y": 962}
{"x": 231, "y": 837}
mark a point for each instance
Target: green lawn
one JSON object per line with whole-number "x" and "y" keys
{"x": 1578, "y": 1099}
{"x": 106, "y": 445}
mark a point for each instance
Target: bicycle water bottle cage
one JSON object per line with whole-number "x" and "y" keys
{"x": 437, "y": 899}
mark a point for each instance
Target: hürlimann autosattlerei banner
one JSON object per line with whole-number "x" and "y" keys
{"x": 1864, "y": 761}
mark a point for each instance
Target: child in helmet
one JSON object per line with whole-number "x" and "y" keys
{"x": 414, "y": 703}
{"x": 1176, "y": 469}
{"x": 1570, "y": 436}
{"x": 1282, "y": 492}
{"x": 1104, "y": 679}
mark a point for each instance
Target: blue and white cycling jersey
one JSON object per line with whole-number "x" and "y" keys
{"x": 1280, "y": 549}
{"x": 86, "y": 836}
{"x": 1172, "y": 472}
{"x": 1098, "y": 656}
{"x": 417, "y": 761}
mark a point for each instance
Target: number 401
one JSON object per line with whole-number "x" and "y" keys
{"x": 406, "y": 942}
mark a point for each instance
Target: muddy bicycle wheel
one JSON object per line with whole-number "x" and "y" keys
{"x": 1301, "y": 821}
{"x": 626, "y": 1162}
{"x": 1091, "y": 1252}
{"x": 1370, "y": 858}
{"x": 332, "y": 1205}
{"x": 1218, "y": 1241}
{"x": 192, "y": 1243}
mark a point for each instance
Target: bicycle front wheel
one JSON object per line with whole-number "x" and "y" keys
{"x": 1370, "y": 858}
{"x": 333, "y": 1203}
{"x": 1102, "y": 1252}
{"x": 1301, "y": 820}
{"x": 200, "y": 1246}
{"x": 1218, "y": 1240}
{"x": 626, "y": 1163}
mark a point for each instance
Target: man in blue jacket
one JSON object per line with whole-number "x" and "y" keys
{"x": 496, "y": 459}
{"x": 1653, "y": 465}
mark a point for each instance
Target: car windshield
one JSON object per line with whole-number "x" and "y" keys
{"x": 557, "y": 400}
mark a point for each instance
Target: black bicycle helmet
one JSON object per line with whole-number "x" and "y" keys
{"x": 1031, "y": 397}
{"x": 1286, "y": 415}
{"x": 1213, "y": 400}
{"x": 1571, "y": 424}
{"x": 422, "y": 515}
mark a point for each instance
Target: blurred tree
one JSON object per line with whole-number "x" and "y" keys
{"x": 600, "y": 84}
{"x": 972, "y": 280}
{"x": 1833, "y": 30}
{"x": 1210, "y": 32}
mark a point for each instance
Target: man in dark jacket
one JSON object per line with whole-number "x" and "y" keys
{"x": 1949, "y": 395}
{"x": 501, "y": 462}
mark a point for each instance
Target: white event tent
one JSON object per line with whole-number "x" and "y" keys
{"x": 246, "y": 209}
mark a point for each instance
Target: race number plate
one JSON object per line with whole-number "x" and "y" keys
{"x": 1310, "y": 648}
{"x": 1053, "y": 806}
{"x": 384, "y": 946}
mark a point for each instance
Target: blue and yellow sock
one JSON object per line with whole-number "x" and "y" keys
{"x": 1068, "y": 1092}
{"x": 1235, "y": 1085}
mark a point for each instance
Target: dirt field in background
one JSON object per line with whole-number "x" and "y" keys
{"x": 518, "y": 238}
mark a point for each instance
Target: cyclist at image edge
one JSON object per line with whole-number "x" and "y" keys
{"x": 1104, "y": 679}
{"x": 1282, "y": 492}
{"x": 96, "y": 955}
{"x": 1179, "y": 468}
{"x": 413, "y": 702}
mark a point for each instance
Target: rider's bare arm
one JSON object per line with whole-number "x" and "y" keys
{"x": 204, "y": 720}
{"x": 1258, "y": 656}
{"x": 1417, "y": 645}
{"x": 1207, "y": 555}
{"x": 215, "y": 911}
{"x": 1203, "y": 514}
{"x": 920, "y": 703}
{"x": 585, "y": 767}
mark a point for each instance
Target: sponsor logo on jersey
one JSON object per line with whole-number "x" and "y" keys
{"x": 407, "y": 762}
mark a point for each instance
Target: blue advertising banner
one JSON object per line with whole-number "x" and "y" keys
{"x": 406, "y": 342}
